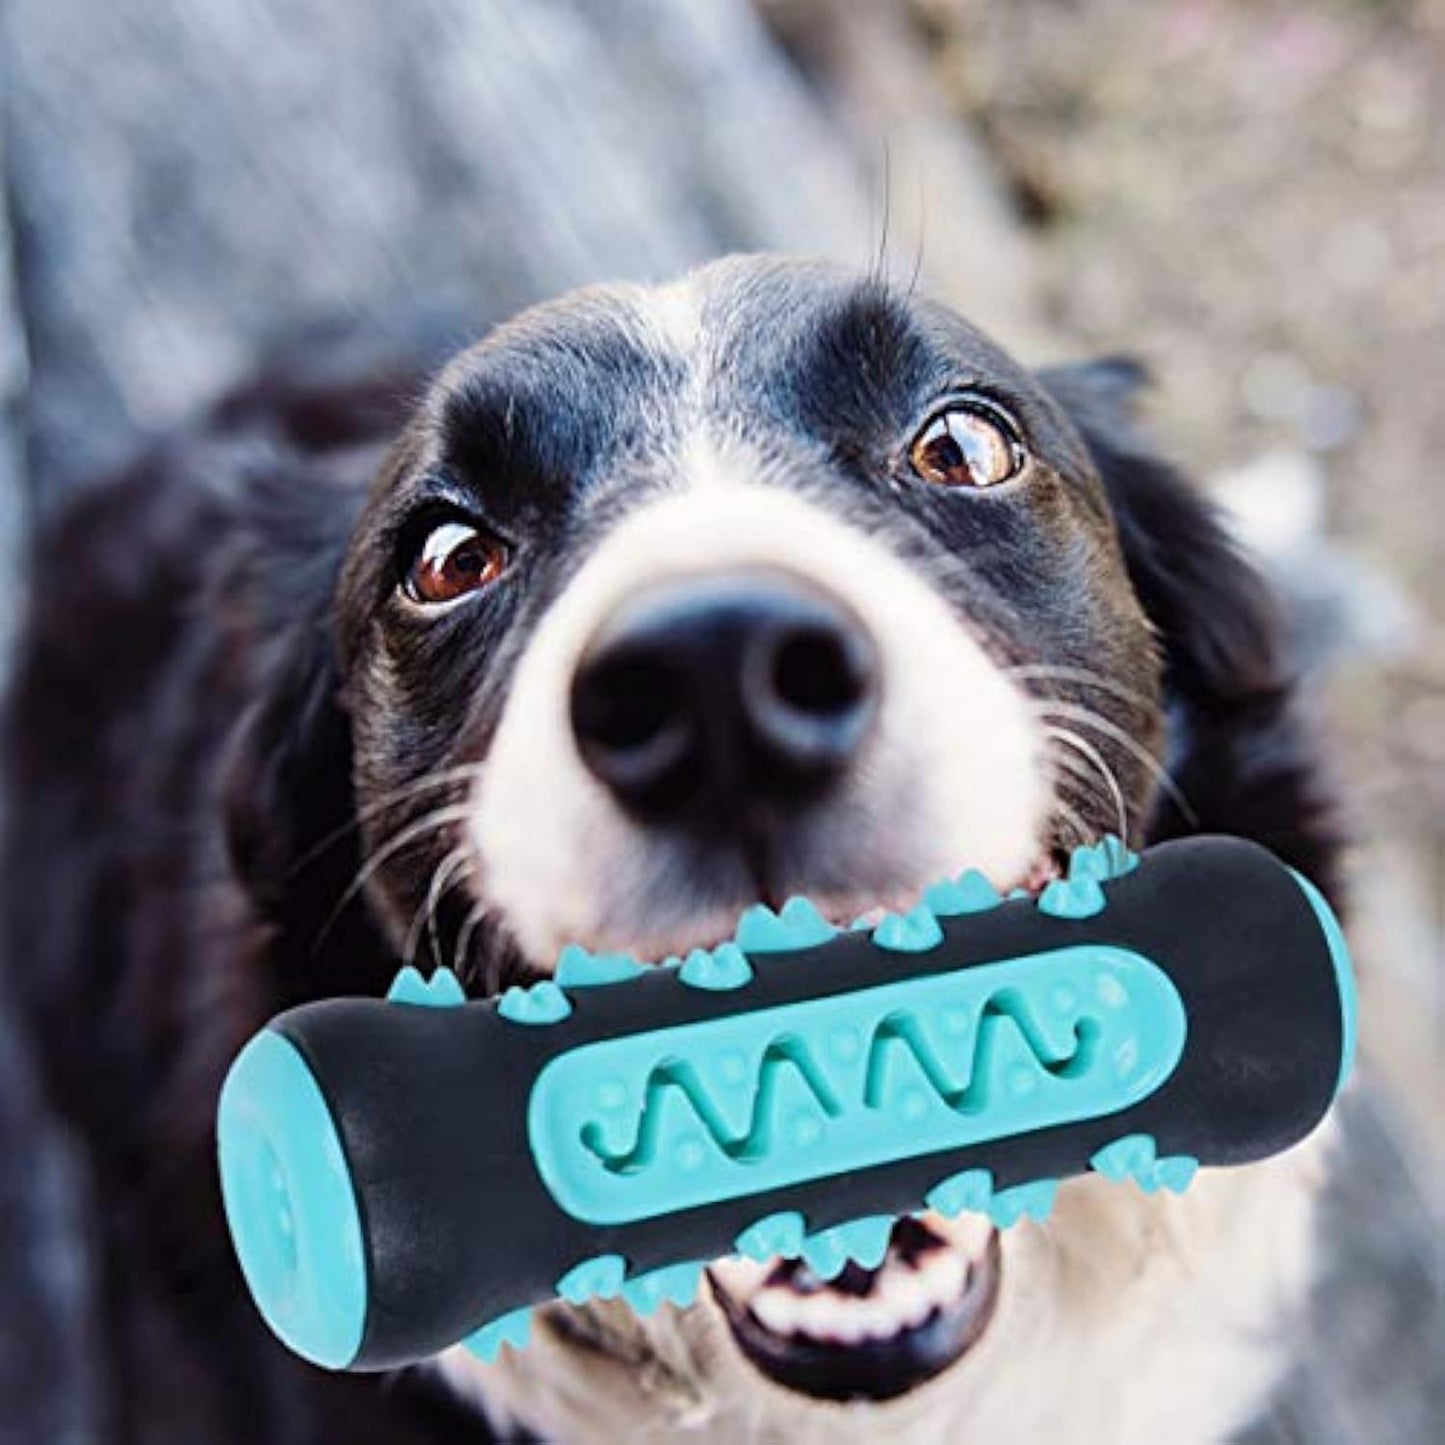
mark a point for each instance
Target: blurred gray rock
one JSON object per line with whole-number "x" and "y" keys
{"x": 1338, "y": 607}
{"x": 184, "y": 175}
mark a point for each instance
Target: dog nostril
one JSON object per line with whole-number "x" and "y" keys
{"x": 808, "y": 697}
{"x": 628, "y": 704}
{"x": 816, "y": 672}
{"x": 808, "y": 693}
{"x": 630, "y": 717}
{"x": 701, "y": 698}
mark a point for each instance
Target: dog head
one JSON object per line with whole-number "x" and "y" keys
{"x": 772, "y": 581}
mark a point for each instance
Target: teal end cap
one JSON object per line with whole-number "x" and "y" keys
{"x": 577, "y": 968}
{"x": 1072, "y": 898}
{"x": 972, "y": 1190}
{"x": 675, "y": 1284}
{"x": 514, "y": 1329}
{"x": 914, "y": 932}
{"x": 543, "y": 1003}
{"x": 798, "y": 926}
{"x": 442, "y": 990}
{"x": 1034, "y": 1201}
{"x": 724, "y": 968}
{"x": 1344, "y": 976}
{"x": 600, "y": 1277}
{"x": 290, "y": 1202}
{"x": 780, "y": 1234}
{"x": 970, "y": 892}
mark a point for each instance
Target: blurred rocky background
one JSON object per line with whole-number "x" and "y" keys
{"x": 1248, "y": 194}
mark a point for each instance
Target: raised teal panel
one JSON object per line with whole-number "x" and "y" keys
{"x": 643, "y": 1125}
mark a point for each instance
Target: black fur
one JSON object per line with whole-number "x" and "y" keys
{"x": 1237, "y": 745}
{"x": 189, "y": 722}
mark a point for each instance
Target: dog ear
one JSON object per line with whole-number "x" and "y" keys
{"x": 288, "y": 774}
{"x": 1236, "y": 746}
{"x": 288, "y": 798}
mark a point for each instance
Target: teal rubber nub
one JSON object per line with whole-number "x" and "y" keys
{"x": 290, "y": 1203}
{"x": 1344, "y": 974}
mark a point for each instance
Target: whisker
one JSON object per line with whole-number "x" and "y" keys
{"x": 1100, "y": 763}
{"x": 1087, "y": 717}
{"x": 437, "y": 818}
{"x": 1080, "y": 770}
{"x": 1082, "y": 832}
{"x": 492, "y": 973}
{"x": 445, "y": 876}
{"x": 459, "y": 875}
{"x": 880, "y": 276}
{"x": 1085, "y": 677}
{"x": 922, "y": 232}
{"x": 475, "y": 914}
{"x": 1082, "y": 784}
{"x": 429, "y": 781}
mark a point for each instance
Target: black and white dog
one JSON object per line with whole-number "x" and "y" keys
{"x": 663, "y": 601}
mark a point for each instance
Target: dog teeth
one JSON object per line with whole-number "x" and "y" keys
{"x": 902, "y": 1296}
{"x": 968, "y": 1234}
{"x": 779, "y": 1309}
{"x": 944, "y": 1277}
{"x": 741, "y": 1276}
{"x": 825, "y": 1316}
{"x": 908, "y": 1294}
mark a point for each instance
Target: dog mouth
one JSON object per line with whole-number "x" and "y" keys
{"x": 867, "y": 1334}
{"x": 872, "y": 1334}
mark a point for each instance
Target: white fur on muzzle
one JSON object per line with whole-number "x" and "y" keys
{"x": 954, "y": 773}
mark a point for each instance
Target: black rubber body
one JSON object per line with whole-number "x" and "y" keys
{"x": 431, "y": 1103}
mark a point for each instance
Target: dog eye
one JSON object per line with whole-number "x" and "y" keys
{"x": 964, "y": 447}
{"x": 454, "y": 559}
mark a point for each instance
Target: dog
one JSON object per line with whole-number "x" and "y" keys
{"x": 655, "y": 603}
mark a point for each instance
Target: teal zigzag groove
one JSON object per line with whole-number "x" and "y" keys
{"x": 641, "y": 1125}
{"x": 897, "y": 1031}
{"x": 783, "y": 1054}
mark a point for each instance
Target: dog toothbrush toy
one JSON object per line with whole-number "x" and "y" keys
{"x": 402, "y": 1175}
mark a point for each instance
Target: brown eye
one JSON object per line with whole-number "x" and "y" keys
{"x": 965, "y": 448}
{"x": 454, "y": 559}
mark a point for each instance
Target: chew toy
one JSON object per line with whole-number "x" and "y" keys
{"x": 402, "y": 1175}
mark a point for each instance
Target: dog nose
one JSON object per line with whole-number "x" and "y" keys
{"x": 698, "y": 699}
